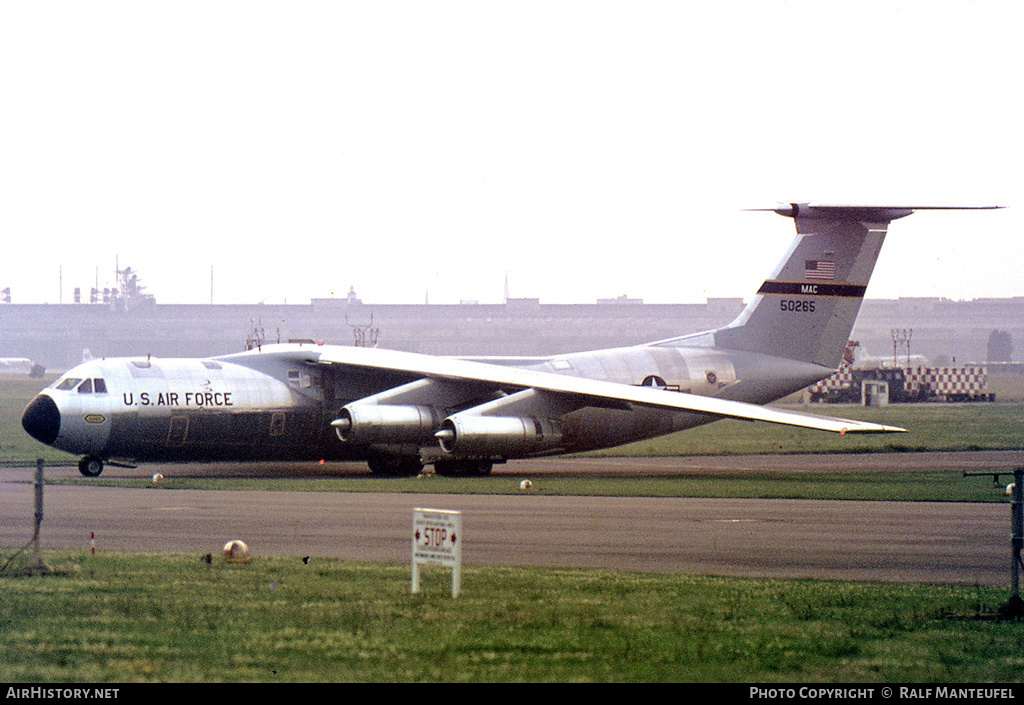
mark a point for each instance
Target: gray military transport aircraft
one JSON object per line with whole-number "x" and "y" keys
{"x": 400, "y": 411}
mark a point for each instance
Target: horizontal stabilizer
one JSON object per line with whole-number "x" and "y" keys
{"x": 876, "y": 213}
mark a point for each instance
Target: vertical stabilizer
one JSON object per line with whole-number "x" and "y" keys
{"x": 806, "y": 309}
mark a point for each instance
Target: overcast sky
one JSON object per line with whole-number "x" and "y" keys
{"x": 584, "y": 149}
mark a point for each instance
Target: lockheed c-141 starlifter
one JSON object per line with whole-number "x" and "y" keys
{"x": 400, "y": 411}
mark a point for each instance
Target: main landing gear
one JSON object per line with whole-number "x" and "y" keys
{"x": 394, "y": 466}
{"x": 90, "y": 466}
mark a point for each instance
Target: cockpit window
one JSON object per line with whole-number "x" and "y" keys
{"x": 88, "y": 386}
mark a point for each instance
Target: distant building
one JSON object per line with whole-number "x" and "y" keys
{"x": 55, "y": 334}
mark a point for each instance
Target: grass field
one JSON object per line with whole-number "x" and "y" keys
{"x": 978, "y": 426}
{"x": 174, "y": 618}
{"x": 125, "y": 618}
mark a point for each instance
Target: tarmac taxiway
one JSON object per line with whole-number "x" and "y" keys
{"x": 944, "y": 542}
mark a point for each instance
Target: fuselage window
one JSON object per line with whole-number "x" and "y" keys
{"x": 69, "y": 383}
{"x": 86, "y": 387}
{"x": 299, "y": 378}
{"x": 99, "y": 385}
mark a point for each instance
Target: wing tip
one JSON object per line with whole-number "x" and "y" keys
{"x": 870, "y": 428}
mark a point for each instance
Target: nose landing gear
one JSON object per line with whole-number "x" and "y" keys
{"x": 90, "y": 466}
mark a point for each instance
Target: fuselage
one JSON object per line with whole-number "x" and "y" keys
{"x": 142, "y": 409}
{"x": 270, "y": 405}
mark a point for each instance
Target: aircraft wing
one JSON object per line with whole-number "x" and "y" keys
{"x": 591, "y": 392}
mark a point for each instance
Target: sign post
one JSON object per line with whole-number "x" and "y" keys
{"x": 38, "y": 565}
{"x": 437, "y": 540}
{"x": 1014, "y": 607}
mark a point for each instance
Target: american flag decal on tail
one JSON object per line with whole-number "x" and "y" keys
{"x": 819, "y": 269}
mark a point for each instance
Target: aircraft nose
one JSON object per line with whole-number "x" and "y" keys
{"x": 42, "y": 419}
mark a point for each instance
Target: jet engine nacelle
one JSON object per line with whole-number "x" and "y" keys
{"x": 383, "y": 423}
{"x": 505, "y": 436}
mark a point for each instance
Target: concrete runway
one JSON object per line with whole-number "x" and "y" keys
{"x": 957, "y": 543}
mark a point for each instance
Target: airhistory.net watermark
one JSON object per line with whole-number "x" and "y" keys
{"x": 62, "y": 693}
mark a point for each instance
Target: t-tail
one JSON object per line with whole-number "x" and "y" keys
{"x": 806, "y": 309}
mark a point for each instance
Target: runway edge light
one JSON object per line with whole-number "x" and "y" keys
{"x": 236, "y": 551}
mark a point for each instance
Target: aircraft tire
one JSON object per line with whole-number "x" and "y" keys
{"x": 90, "y": 466}
{"x": 391, "y": 466}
